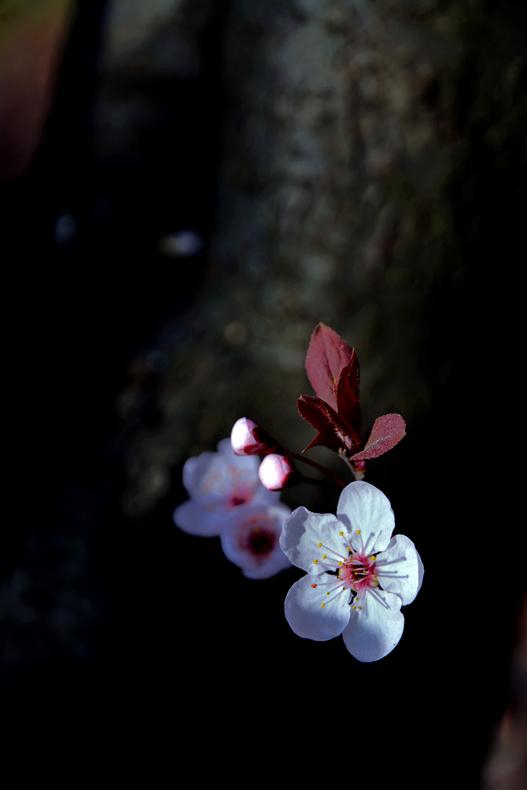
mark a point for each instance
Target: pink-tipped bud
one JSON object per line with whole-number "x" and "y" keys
{"x": 247, "y": 438}
{"x": 277, "y": 472}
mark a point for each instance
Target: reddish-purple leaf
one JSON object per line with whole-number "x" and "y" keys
{"x": 348, "y": 394}
{"x": 326, "y": 356}
{"x": 312, "y": 410}
{"x": 333, "y": 431}
{"x": 325, "y": 439}
{"x": 385, "y": 433}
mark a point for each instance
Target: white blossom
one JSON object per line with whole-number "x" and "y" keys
{"x": 251, "y": 540}
{"x": 358, "y": 575}
{"x": 218, "y": 484}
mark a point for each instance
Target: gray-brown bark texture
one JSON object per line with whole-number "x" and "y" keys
{"x": 371, "y": 176}
{"x": 373, "y": 154}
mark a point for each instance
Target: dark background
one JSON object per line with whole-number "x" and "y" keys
{"x": 124, "y": 638}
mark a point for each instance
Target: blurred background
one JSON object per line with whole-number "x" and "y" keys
{"x": 187, "y": 187}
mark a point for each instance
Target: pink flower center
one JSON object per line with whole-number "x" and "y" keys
{"x": 355, "y": 572}
{"x": 239, "y": 499}
{"x": 257, "y": 537}
{"x": 358, "y": 572}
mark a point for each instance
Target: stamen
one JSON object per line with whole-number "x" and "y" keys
{"x": 358, "y": 532}
{"x": 332, "y": 551}
{"x": 379, "y": 597}
{"x": 334, "y": 580}
{"x": 393, "y": 575}
{"x": 386, "y": 562}
{"x": 344, "y": 589}
{"x": 329, "y": 565}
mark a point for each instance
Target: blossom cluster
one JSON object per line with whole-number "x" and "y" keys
{"x": 358, "y": 574}
{"x": 228, "y": 500}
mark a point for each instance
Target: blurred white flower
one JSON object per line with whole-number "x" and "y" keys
{"x": 217, "y": 484}
{"x": 251, "y": 540}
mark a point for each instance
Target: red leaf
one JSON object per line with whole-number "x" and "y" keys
{"x": 385, "y": 434}
{"x": 312, "y": 410}
{"x": 348, "y": 394}
{"x": 326, "y": 356}
{"x": 325, "y": 439}
{"x": 333, "y": 431}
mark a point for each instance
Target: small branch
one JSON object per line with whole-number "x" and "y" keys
{"x": 314, "y": 464}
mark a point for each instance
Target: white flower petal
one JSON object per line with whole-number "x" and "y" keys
{"x": 307, "y": 617}
{"x": 363, "y": 507}
{"x": 194, "y": 470}
{"x": 375, "y": 630}
{"x": 224, "y": 479}
{"x": 277, "y": 562}
{"x": 301, "y": 534}
{"x": 264, "y": 497}
{"x": 192, "y": 518}
{"x": 219, "y": 475}
{"x": 399, "y": 569}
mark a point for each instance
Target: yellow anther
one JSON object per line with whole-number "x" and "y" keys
{"x": 360, "y": 607}
{"x": 341, "y": 533}
{"x": 354, "y": 607}
{"x": 319, "y": 544}
{"x": 327, "y": 593}
{"x": 315, "y": 562}
{"x": 374, "y": 576}
{"x": 322, "y": 605}
{"x": 340, "y": 562}
{"x": 372, "y": 557}
{"x": 324, "y": 557}
{"x": 358, "y": 532}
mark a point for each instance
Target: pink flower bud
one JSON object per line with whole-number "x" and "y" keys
{"x": 247, "y": 438}
{"x": 277, "y": 472}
